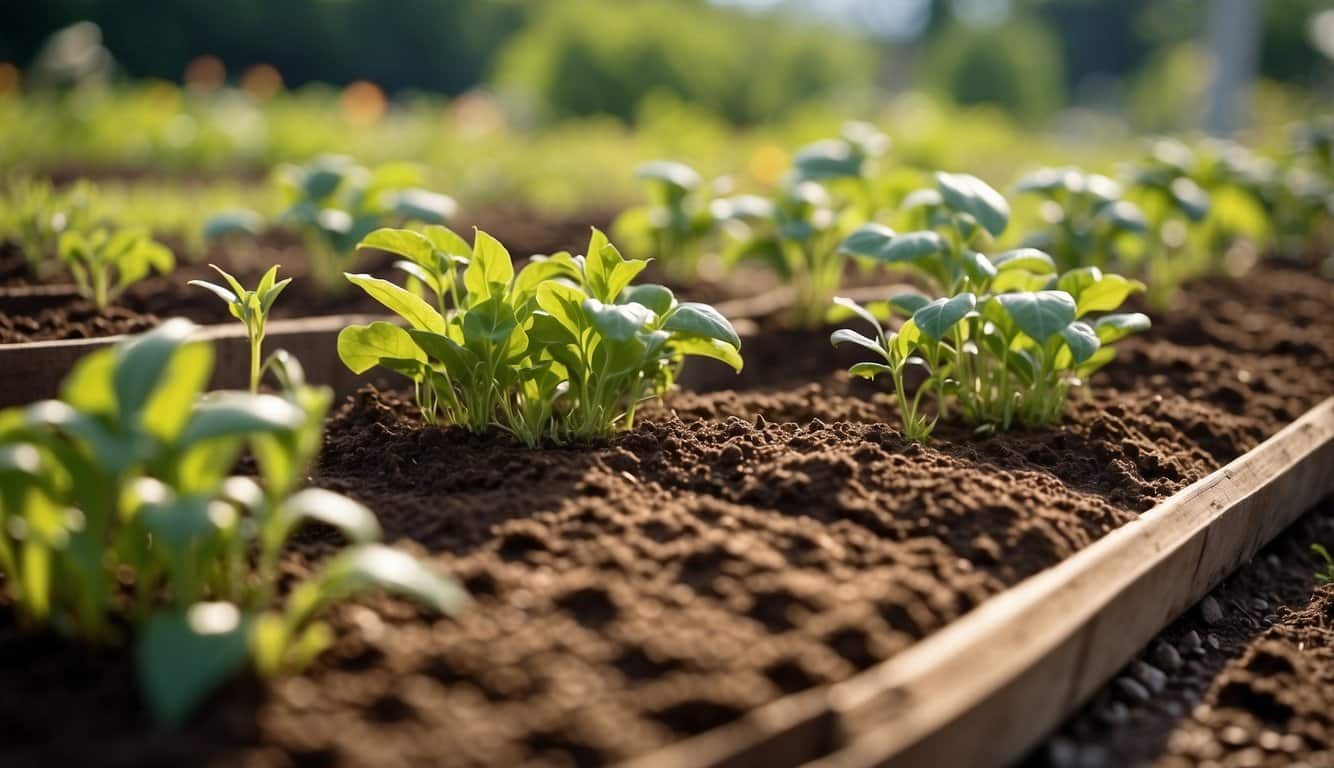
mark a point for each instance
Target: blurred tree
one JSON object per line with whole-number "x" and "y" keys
{"x": 1016, "y": 65}
{"x": 582, "y": 57}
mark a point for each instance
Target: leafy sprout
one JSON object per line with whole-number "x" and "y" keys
{"x": 250, "y": 307}
{"x": 117, "y": 512}
{"x": 1086, "y": 221}
{"x": 796, "y": 234}
{"x": 34, "y": 214}
{"x": 564, "y": 349}
{"x": 676, "y": 226}
{"x": 105, "y": 262}
{"x": 333, "y": 203}
{"x": 1009, "y": 336}
{"x": 1325, "y": 576}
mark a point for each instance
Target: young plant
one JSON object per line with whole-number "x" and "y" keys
{"x": 1174, "y": 204}
{"x": 117, "y": 512}
{"x": 565, "y": 349}
{"x": 34, "y": 215}
{"x": 1009, "y": 337}
{"x": 827, "y": 193}
{"x": 676, "y": 226}
{"x": 1086, "y": 221}
{"x": 105, "y": 262}
{"x": 1325, "y": 576}
{"x": 251, "y": 308}
{"x": 333, "y": 203}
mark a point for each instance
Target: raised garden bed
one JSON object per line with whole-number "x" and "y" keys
{"x": 721, "y": 564}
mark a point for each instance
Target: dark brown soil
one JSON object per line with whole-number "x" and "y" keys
{"x": 146, "y": 303}
{"x": 1252, "y": 685}
{"x": 732, "y": 548}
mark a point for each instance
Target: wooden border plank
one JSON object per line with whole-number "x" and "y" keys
{"x": 991, "y": 685}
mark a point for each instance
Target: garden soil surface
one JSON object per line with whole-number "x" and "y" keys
{"x": 735, "y": 546}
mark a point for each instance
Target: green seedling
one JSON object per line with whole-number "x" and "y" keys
{"x": 1174, "y": 204}
{"x": 676, "y": 226}
{"x": 1086, "y": 221}
{"x": 34, "y": 214}
{"x": 333, "y": 203}
{"x": 105, "y": 262}
{"x": 827, "y": 193}
{"x": 251, "y": 308}
{"x": 1325, "y": 576}
{"x": 118, "y": 514}
{"x": 564, "y": 349}
{"x": 1008, "y": 338}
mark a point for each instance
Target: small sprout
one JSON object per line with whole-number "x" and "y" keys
{"x": 105, "y": 262}
{"x": 250, "y": 307}
{"x": 564, "y": 349}
{"x": 34, "y": 215}
{"x": 1086, "y": 221}
{"x": 676, "y": 226}
{"x": 1325, "y": 576}
{"x": 333, "y": 203}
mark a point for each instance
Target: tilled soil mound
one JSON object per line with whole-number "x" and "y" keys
{"x": 731, "y": 548}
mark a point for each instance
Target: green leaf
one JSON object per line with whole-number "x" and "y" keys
{"x": 827, "y": 159}
{"x": 869, "y": 240}
{"x": 606, "y": 272}
{"x": 168, "y": 408}
{"x": 458, "y": 361}
{"x": 448, "y": 242}
{"x": 1189, "y": 198}
{"x": 858, "y": 310}
{"x": 405, "y": 304}
{"x": 181, "y": 658}
{"x": 977, "y": 266}
{"x": 849, "y": 336}
{"x": 1039, "y": 314}
{"x": 141, "y": 361}
{"x": 490, "y": 322}
{"x": 1113, "y": 328}
{"x": 217, "y": 290}
{"x": 490, "y": 270}
{"x": 908, "y": 302}
{"x": 913, "y": 246}
{"x": 564, "y": 303}
{"x": 712, "y": 348}
{"x": 375, "y": 566}
{"x": 902, "y": 343}
{"x": 233, "y": 223}
{"x": 175, "y": 521}
{"x": 362, "y": 347}
{"x": 228, "y": 414}
{"x": 937, "y": 318}
{"x": 658, "y": 298}
{"x": 618, "y": 322}
{"x": 969, "y": 194}
{"x": 678, "y": 175}
{"x": 1027, "y": 259}
{"x": 412, "y": 246}
{"x": 695, "y": 319}
{"x": 869, "y": 370}
{"x": 357, "y": 523}
{"x": 1081, "y": 339}
{"x": 1106, "y": 294}
{"x": 424, "y": 206}
{"x": 88, "y": 386}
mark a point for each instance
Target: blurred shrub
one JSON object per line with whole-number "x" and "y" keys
{"x": 582, "y": 57}
{"x": 1017, "y": 66}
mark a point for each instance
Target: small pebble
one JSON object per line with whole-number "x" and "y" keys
{"x": 1212, "y": 641}
{"x": 1190, "y": 644}
{"x": 1270, "y": 740}
{"x": 1153, "y": 678}
{"x": 1092, "y": 756}
{"x": 1115, "y": 713}
{"x": 1235, "y": 736}
{"x": 1166, "y": 657}
{"x": 1259, "y": 605}
{"x": 1274, "y": 561}
{"x": 1132, "y": 689}
{"x": 1173, "y": 709}
{"x": 1062, "y": 753}
{"x": 1210, "y": 610}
